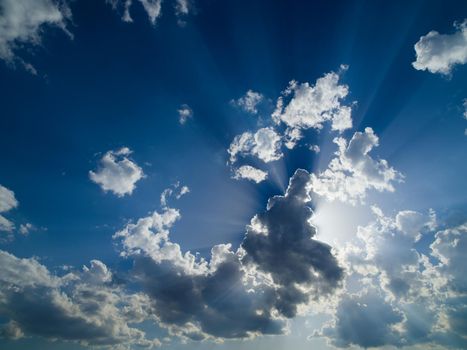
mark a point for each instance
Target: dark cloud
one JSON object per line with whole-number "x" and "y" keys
{"x": 76, "y": 307}
{"x": 280, "y": 242}
{"x": 366, "y": 321}
{"x": 236, "y": 294}
{"x": 215, "y": 304}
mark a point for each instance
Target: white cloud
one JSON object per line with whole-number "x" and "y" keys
{"x": 152, "y": 8}
{"x": 117, "y": 173}
{"x": 315, "y": 148}
{"x": 184, "y": 113}
{"x": 249, "y": 101}
{"x": 439, "y": 53}
{"x": 310, "y": 106}
{"x": 250, "y": 173}
{"x": 264, "y": 144}
{"x": 182, "y": 7}
{"x": 24, "y": 229}
{"x": 353, "y": 172}
{"x": 183, "y": 190}
{"x": 169, "y": 192}
{"x": 7, "y": 202}
{"x": 7, "y": 199}
{"x": 23, "y": 22}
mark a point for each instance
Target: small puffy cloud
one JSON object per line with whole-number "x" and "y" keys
{"x": 184, "y": 113}
{"x": 152, "y": 8}
{"x": 249, "y": 101}
{"x": 250, "y": 173}
{"x": 117, "y": 173}
{"x": 175, "y": 190}
{"x": 79, "y": 307}
{"x": 315, "y": 148}
{"x": 353, "y": 172}
{"x": 310, "y": 106}
{"x": 7, "y": 202}
{"x": 23, "y": 22}
{"x": 264, "y": 144}
{"x": 24, "y": 229}
{"x": 440, "y": 53}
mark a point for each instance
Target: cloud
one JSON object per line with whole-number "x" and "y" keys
{"x": 353, "y": 172}
{"x": 117, "y": 173}
{"x": 194, "y": 298}
{"x": 169, "y": 192}
{"x": 23, "y": 22}
{"x": 264, "y": 144}
{"x": 249, "y": 101}
{"x": 366, "y": 320}
{"x": 184, "y": 113}
{"x": 24, "y": 229}
{"x": 310, "y": 106}
{"x": 7, "y": 202}
{"x": 250, "y": 173}
{"x": 279, "y": 242}
{"x": 152, "y": 7}
{"x": 440, "y": 53}
{"x": 407, "y": 295}
{"x": 81, "y": 307}
{"x": 233, "y": 294}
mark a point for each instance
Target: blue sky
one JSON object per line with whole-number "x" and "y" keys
{"x": 107, "y": 105}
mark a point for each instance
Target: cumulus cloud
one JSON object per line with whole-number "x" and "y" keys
{"x": 234, "y": 294}
{"x": 279, "y": 242}
{"x": 184, "y": 113}
{"x": 264, "y": 144}
{"x": 22, "y": 22}
{"x": 117, "y": 173}
{"x": 440, "y": 53}
{"x": 249, "y": 101}
{"x": 304, "y": 106}
{"x": 407, "y": 295}
{"x": 194, "y": 298}
{"x": 353, "y": 171}
{"x": 365, "y": 320}
{"x": 250, "y": 173}
{"x": 7, "y": 202}
{"x": 81, "y": 306}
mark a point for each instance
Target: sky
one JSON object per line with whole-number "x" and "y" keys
{"x": 199, "y": 174}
